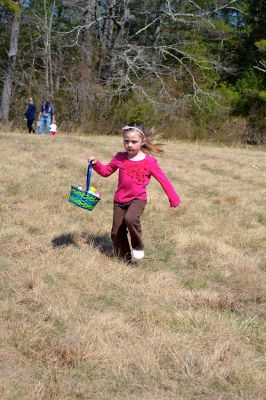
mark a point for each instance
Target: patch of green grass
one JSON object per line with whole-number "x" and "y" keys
{"x": 62, "y": 276}
{"x": 195, "y": 283}
{"x": 183, "y": 323}
{"x": 217, "y": 276}
{"x": 8, "y": 237}
{"x": 14, "y": 393}
{"x": 221, "y": 385}
{"x": 261, "y": 218}
{"x": 262, "y": 265}
{"x": 166, "y": 253}
{"x": 192, "y": 263}
{"x": 109, "y": 296}
{"x": 60, "y": 325}
{"x": 175, "y": 268}
{"x": 263, "y": 365}
{"x": 106, "y": 299}
{"x": 162, "y": 250}
{"x": 33, "y": 230}
{"x": 49, "y": 280}
{"x": 14, "y": 188}
{"x": 7, "y": 292}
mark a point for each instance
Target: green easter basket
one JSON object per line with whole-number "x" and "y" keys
{"x": 82, "y": 198}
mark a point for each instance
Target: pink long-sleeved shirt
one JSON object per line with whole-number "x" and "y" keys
{"x": 134, "y": 176}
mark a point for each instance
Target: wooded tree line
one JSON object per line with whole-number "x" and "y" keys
{"x": 194, "y": 68}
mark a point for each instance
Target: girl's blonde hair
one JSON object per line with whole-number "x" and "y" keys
{"x": 147, "y": 134}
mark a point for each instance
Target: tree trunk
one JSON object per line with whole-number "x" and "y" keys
{"x": 106, "y": 40}
{"x": 119, "y": 38}
{"x": 115, "y": 51}
{"x": 86, "y": 93}
{"x": 47, "y": 49}
{"x": 10, "y": 68}
{"x": 157, "y": 33}
{"x": 88, "y": 37}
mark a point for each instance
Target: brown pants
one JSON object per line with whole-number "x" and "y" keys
{"x": 126, "y": 218}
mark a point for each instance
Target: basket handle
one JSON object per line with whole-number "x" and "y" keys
{"x": 88, "y": 176}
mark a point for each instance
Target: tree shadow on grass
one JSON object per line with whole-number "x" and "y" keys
{"x": 100, "y": 242}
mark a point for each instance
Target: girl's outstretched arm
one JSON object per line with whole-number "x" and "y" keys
{"x": 167, "y": 186}
{"x": 104, "y": 170}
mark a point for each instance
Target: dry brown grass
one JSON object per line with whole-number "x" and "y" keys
{"x": 188, "y": 323}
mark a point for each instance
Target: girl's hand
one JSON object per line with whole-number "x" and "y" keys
{"x": 93, "y": 159}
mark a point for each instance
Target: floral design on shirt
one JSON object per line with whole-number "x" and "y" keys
{"x": 137, "y": 170}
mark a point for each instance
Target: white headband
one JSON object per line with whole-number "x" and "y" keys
{"x": 127, "y": 127}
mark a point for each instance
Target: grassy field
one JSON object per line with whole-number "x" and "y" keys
{"x": 76, "y": 323}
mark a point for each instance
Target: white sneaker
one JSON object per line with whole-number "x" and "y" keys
{"x": 137, "y": 254}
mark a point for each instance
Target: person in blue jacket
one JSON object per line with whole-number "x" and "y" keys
{"x": 30, "y": 115}
{"x": 46, "y": 116}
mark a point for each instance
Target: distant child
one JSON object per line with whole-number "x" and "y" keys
{"x": 136, "y": 166}
{"x": 53, "y": 129}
